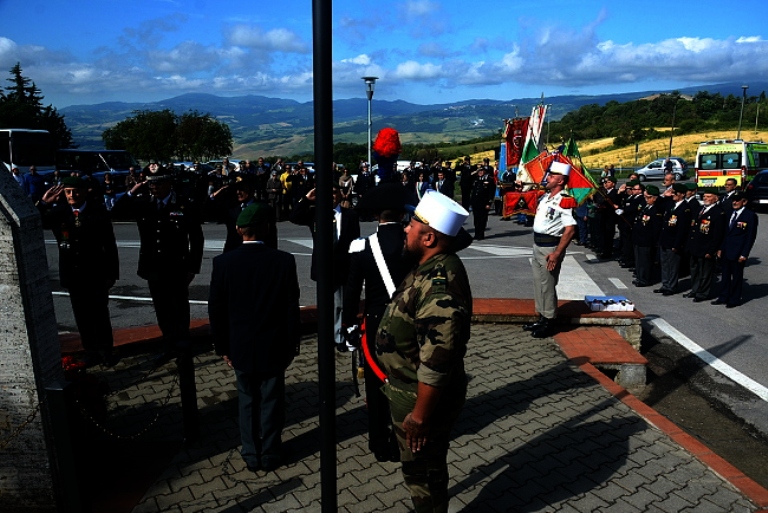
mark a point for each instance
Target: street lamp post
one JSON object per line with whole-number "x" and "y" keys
{"x": 369, "y": 83}
{"x": 741, "y": 114}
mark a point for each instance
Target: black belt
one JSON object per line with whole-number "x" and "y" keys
{"x": 541, "y": 239}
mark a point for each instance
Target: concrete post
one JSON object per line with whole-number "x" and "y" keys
{"x": 30, "y": 357}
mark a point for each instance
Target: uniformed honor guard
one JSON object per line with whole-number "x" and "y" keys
{"x": 421, "y": 343}
{"x": 88, "y": 262}
{"x": 377, "y": 261}
{"x": 170, "y": 254}
{"x": 553, "y": 229}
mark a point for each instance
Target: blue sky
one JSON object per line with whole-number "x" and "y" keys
{"x": 423, "y": 51}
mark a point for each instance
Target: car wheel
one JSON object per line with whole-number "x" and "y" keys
{"x": 678, "y": 177}
{"x": 642, "y": 178}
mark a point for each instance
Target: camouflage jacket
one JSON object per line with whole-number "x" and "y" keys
{"x": 424, "y": 331}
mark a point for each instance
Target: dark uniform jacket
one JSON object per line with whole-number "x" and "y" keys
{"x": 253, "y": 308}
{"x": 171, "y": 237}
{"x": 707, "y": 232}
{"x": 363, "y": 268}
{"x": 740, "y": 237}
{"x": 676, "y": 227}
{"x": 86, "y": 252}
{"x": 647, "y": 227}
{"x": 483, "y": 190}
{"x": 304, "y": 214}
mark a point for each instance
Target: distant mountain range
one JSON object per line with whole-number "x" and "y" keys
{"x": 273, "y": 126}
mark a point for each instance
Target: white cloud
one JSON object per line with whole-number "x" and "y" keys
{"x": 412, "y": 70}
{"x": 417, "y": 8}
{"x": 275, "y": 40}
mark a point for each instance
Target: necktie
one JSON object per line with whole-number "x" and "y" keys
{"x": 733, "y": 219}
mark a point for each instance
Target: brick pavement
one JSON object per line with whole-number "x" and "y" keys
{"x": 538, "y": 433}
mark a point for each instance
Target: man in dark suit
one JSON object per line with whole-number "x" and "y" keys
{"x": 444, "y": 185}
{"x": 674, "y": 234}
{"x": 88, "y": 262}
{"x": 465, "y": 181}
{"x": 707, "y": 231}
{"x": 253, "y": 309}
{"x": 607, "y": 202}
{"x": 740, "y": 235}
{"x": 170, "y": 254}
{"x": 726, "y": 200}
{"x": 645, "y": 236}
{"x": 229, "y": 208}
{"x": 346, "y": 229}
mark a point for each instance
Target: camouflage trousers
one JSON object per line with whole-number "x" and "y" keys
{"x": 426, "y": 472}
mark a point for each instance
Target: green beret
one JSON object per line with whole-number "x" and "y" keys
{"x": 691, "y": 186}
{"x": 652, "y": 190}
{"x": 632, "y": 183}
{"x": 254, "y": 214}
{"x": 679, "y": 187}
{"x": 75, "y": 182}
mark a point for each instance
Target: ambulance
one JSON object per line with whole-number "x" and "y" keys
{"x": 719, "y": 160}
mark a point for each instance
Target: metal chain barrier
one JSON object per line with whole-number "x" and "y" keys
{"x": 21, "y": 427}
{"x": 143, "y": 431}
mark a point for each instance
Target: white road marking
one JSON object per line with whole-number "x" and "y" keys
{"x": 617, "y": 283}
{"x": 574, "y": 282}
{"x": 711, "y": 360}
{"x": 501, "y": 250}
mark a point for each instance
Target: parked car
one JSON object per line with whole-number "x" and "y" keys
{"x": 756, "y": 191}
{"x": 655, "y": 170}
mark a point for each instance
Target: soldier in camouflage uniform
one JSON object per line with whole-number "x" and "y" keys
{"x": 421, "y": 343}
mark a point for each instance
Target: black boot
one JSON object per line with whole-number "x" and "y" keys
{"x": 536, "y": 324}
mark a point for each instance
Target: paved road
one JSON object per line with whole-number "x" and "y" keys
{"x": 499, "y": 267}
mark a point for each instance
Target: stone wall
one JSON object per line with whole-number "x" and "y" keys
{"x": 30, "y": 357}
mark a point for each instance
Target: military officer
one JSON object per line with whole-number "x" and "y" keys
{"x": 170, "y": 254}
{"x": 421, "y": 343}
{"x": 553, "y": 229}
{"x": 88, "y": 262}
{"x": 483, "y": 189}
{"x": 707, "y": 231}
{"x": 645, "y": 236}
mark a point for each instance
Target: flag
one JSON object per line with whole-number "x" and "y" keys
{"x": 516, "y": 202}
{"x": 580, "y": 184}
{"x": 535, "y": 169}
{"x": 514, "y": 136}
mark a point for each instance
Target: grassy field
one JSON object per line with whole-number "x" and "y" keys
{"x": 684, "y": 146}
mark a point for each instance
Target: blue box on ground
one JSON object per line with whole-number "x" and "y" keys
{"x": 609, "y": 304}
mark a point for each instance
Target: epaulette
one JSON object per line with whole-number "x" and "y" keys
{"x": 566, "y": 201}
{"x": 357, "y": 245}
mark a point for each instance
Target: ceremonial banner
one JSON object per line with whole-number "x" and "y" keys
{"x": 514, "y": 136}
{"x": 516, "y": 202}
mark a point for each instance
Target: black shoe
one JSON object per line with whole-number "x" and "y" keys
{"x": 699, "y": 299}
{"x": 732, "y": 305}
{"x": 270, "y": 464}
{"x": 689, "y": 295}
{"x": 668, "y": 293}
{"x": 659, "y": 290}
{"x": 637, "y": 283}
{"x": 536, "y": 324}
{"x": 544, "y": 331}
{"x": 718, "y": 302}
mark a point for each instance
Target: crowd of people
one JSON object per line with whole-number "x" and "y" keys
{"x": 666, "y": 232}
{"x": 418, "y": 299}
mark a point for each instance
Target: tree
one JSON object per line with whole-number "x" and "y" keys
{"x": 21, "y": 106}
{"x": 165, "y": 137}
